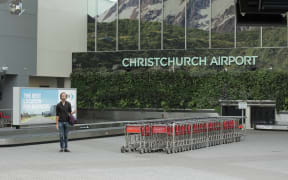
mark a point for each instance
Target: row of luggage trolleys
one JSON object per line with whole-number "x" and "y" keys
{"x": 174, "y": 136}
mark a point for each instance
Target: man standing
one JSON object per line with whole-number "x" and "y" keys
{"x": 63, "y": 111}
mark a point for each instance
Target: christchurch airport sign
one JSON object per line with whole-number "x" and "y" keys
{"x": 189, "y": 61}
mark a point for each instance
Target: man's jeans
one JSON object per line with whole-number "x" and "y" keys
{"x": 63, "y": 133}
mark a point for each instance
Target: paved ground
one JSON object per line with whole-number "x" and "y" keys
{"x": 263, "y": 155}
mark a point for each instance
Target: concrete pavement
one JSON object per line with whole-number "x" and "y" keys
{"x": 262, "y": 155}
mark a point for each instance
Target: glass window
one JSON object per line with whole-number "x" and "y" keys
{"x": 248, "y": 36}
{"x": 274, "y": 36}
{"x": 91, "y": 25}
{"x": 198, "y": 18}
{"x": 106, "y": 25}
{"x": 128, "y": 24}
{"x": 174, "y": 24}
{"x": 223, "y": 23}
{"x": 151, "y": 18}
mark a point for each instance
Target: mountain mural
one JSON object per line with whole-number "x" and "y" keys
{"x": 174, "y": 13}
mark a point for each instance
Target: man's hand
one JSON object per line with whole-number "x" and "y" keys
{"x": 74, "y": 111}
{"x": 57, "y": 120}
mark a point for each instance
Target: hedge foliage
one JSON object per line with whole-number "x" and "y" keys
{"x": 180, "y": 89}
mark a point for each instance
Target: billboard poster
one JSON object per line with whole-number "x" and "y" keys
{"x": 38, "y": 105}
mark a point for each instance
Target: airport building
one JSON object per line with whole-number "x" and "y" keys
{"x": 155, "y": 89}
{"x": 36, "y": 47}
{"x": 55, "y": 41}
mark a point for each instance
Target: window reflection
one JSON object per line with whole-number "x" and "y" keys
{"x": 174, "y": 24}
{"x": 151, "y": 18}
{"x": 128, "y": 24}
{"x": 248, "y": 36}
{"x": 106, "y": 25}
{"x": 274, "y": 36}
{"x": 198, "y": 17}
{"x": 91, "y": 25}
{"x": 223, "y": 23}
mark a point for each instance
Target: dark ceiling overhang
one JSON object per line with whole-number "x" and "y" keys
{"x": 261, "y": 12}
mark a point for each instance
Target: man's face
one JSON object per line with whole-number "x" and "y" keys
{"x": 63, "y": 96}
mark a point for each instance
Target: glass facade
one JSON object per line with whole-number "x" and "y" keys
{"x": 247, "y": 36}
{"x": 151, "y": 24}
{"x": 198, "y": 20}
{"x": 274, "y": 36}
{"x": 106, "y": 26}
{"x": 128, "y": 24}
{"x": 173, "y": 24}
{"x": 91, "y": 22}
{"x": 223, "y": 23}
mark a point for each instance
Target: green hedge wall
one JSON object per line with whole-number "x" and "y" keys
{"x": 180, "y": 89}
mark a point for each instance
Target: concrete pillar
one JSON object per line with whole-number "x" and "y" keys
{"x": 248, "y": 117}
{"x": 67, "y": 83}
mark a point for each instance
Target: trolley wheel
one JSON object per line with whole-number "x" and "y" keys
{"x": 169, "y": 151}
{"x": 176, "y": 149}
{"x": 141, "y": 151}
{"x": 123, "y": 149}
{"x": 238, "y": 139}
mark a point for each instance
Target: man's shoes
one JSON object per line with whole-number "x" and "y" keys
{"x": 67, "y": 150}
{"x": 61, "y": 150}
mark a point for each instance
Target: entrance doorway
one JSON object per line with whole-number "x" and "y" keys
{"x": 262, "y": 116}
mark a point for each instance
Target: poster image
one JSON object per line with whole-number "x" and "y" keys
{"x": 38, "y": 106}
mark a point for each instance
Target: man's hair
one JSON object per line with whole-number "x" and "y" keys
{"x": 63, "y": 93}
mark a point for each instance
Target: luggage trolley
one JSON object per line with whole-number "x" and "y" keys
{"x": 180, "y": 135}
{"x": 158, "y": 138}
{"x": 132, "y": 137}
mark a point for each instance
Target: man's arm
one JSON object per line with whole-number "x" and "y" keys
{"x": 74, "y": 111}
{"x": 57, "y": 116}
{"x": 70, "y": 109}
